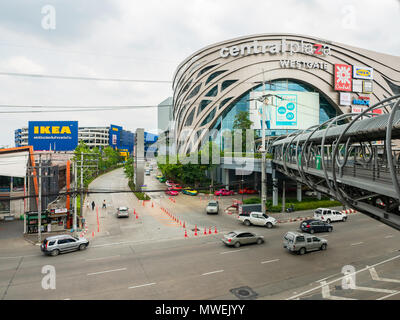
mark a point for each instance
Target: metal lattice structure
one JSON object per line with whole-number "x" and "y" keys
{"x": 350, "y": 158}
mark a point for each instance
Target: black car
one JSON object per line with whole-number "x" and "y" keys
{"x": 313, "y": 225}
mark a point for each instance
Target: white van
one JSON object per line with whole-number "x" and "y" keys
{"x": 329, "y": 215}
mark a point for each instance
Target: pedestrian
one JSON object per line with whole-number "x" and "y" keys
{"x": 104, "y": 204}
{"x": 93, "y": 205}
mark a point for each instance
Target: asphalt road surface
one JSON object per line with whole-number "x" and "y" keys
{"x": 149, "y": 258}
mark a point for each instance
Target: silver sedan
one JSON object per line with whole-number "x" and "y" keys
{"x": 238, "y": 238}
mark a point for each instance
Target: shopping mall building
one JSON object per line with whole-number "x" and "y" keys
{"x": 309, "y": 80}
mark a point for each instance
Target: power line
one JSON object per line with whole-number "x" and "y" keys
{"x": 15, "y": 74}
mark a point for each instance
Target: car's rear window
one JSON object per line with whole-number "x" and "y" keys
{"x": 212, "y": 204}
{"x": 318, "y": 211}
{"x": 288, "y": 237}
{"x": 300, "y": 239}
{"x": 231, "y": 234}
{"x": 51, "y": 243}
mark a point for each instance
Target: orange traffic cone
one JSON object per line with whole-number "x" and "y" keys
{"x": 186, "y": 234}
{"x": 195, "y": 230}
{"x": 152, "y": 205}
{"x": 205, "y": 231}
{"x": 184, "y": 224}
{"x": 209, "y": 230}
{"x": 215, "y": 229}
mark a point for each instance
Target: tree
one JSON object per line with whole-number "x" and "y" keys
{"x": 242, "y": 121}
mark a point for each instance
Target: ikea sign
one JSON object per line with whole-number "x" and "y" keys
{"x": 365, "y": 73}
{"x": 53, "y": 135}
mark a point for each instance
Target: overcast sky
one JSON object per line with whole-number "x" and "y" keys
{"x": 129, "y": 39}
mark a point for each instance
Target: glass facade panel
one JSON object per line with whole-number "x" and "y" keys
{"x": 213, "y": 92}
{"x": 189, "y": 119}
{"x": 214, "y": 75}
{"x": 209, "y": 117}
{"x": 204, "y": 70}
{"x": 194, "y": 92}
{"x": 203, "y": 104}
{"x": 227, "y": 83}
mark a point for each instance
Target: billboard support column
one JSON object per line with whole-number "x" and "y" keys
{"x": 139, "y": 159}
{"x": 40, "y": 201}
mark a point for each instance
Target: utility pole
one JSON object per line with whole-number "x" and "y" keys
{"x": 75, "y": 193}
{"x": 40, "y": 200}
{"x": 81, "y": 185}
{"x": 283, "y": 195}
{"x": 263, "y": 178}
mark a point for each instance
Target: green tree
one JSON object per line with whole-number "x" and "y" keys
{"x": 242, "y": 121}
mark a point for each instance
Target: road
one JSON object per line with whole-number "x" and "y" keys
{"x": 149, "y": 258}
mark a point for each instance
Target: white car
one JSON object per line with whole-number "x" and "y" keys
{"x": 257, "y": 219}
{"x": 122, "y": 212}
{"x": 329, "y": 215}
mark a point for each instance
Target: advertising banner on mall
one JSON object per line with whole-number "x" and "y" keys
{"x": 285, "y": 110}
{"x": 343, "y": 77}
{"x": 114, "y": 136}
{"x": 53, "y": 135}
{"x": 365, "y": 73}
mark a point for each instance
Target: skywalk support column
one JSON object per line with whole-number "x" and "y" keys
{"x": 299, "y": 193}
{"x": 274, "y": 188}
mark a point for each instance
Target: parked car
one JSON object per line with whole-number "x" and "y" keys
{"x": 329, "y": 215}
{"x": 147, "y": 172}
{"x": 223, "y": 192}
{"x": 257, "y": 219}
{"x": 162, "y": 179}
{"x": 159, "y": 176}
{"x": 239, "y": 238}
{"x": 212, "y": 207}
{"x": 122, "y": 212}
{"x": 247, "y": 191}
{"x": 302, "y": 243}
{"x": 313, "y": 225}
{"x": 176, "y": 186}
{"x": 169, "y": 183}
{"x": 171, "y": 192}
{"x": 63, "y": 243}
{"x": 190, "y": 191}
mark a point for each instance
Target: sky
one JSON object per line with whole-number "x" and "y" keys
{"x": 147, "y": 40}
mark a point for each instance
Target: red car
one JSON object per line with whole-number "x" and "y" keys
{"x": 248, "y": 191}
{"x": 171, "y": 192}
{"x": 177, "y": 187}
{"x": 223, "y": 192}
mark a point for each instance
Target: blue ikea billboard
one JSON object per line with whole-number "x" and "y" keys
{"x": 53, "y": 135}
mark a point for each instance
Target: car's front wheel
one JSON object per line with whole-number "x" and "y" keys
{"x": 259, "y": 241}
{"x": 311, "y": 231}
{"x": 329, "y": 220}
{"x": 344, "y": 219}
{"x": 323, "y": 247}
{"x": 269, "y": 225}
{"x": 82, "y": 246}
{"x": 247, "y": 222}
{"x": 330, "y": 229}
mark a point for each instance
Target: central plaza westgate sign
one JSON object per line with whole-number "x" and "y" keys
{"x": 283, "y": 46}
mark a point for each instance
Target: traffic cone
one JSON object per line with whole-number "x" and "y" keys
{"x": 93, "y": 234}
{"x": 215, "y": 229}
{"x": 209, "y": 230}
{"x": 205, "y": 231}
{"x": 184, "y": 224}
{"x": 180, "y": 222}
{"x": 186, "y": 234}
{"x": 134, "y": 211}
{"x": 137, "y": 216}
{"x": 195, "y": 230}
{"x": 152, "y": 205}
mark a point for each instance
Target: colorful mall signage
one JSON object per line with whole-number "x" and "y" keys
{"x": 290, "y": 47}
{"x": 365, "y": 73}
{"x": 362, "y": 101}
{"x": 343, "y": 78}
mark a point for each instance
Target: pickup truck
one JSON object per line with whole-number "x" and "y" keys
{"x": 257, "y": 219}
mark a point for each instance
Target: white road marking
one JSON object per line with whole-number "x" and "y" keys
{"x": 94, "y": 273}
{"x": 389, "y": 295}
{"x": 142, "y": 285}
{"x": 389, "y": 236}
{"x": 212, "y": 272}
{"x": 102, "y": 258}
{"x": 269, "y": 261}
{"x": 326, "y": 294}
{"x": 357, "y": 243}
{"x": 374, "y": 289}
{"x": 374, "y": 276}
{"x": 232, "y": 251}
{"x": 333, "y": 281}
